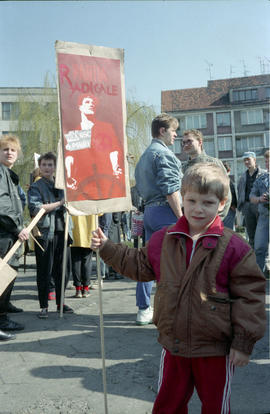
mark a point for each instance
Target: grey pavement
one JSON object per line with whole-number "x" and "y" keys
{"x": 54, "y": 366}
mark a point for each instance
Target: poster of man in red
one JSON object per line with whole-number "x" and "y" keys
{"x": 93, "y": 144}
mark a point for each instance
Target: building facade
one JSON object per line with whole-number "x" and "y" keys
{"x": 232, "y": 114}
{"x": 10, "y": 99}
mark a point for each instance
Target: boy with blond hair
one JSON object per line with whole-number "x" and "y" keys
{"x": 11, "y": 226}
{"x": 209, "y": 304}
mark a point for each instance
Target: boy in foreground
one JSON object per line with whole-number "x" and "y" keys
{"x": 209, "y": 304}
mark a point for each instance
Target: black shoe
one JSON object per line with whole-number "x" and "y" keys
{"x": 9, "y": 325}
{"x": 107, "y": 277}
{"x": 12, "y": 309}
{"x": 43, "y": 314}
{"x": 6, "y": 336}
{"x": 66, "y": 309}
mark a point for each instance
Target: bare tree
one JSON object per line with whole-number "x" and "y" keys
{"x": 138, "y": 130}
{"x": 37, "y": 125}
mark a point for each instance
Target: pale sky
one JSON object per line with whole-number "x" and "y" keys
{"x": 168, "y": 44}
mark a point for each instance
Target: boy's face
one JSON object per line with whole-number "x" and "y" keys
{"x": 8, "y": 155}
{"x": 47, "y": 169}
{"x": 201, "y": 210}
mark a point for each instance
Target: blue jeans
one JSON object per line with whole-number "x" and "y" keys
{"x": 261, "y": 240}
{"x": 229, "y": 220}
{"x": 155, "y": 218}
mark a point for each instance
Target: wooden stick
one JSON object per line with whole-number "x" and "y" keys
{"x": 35, "y": 240}
{"x": 19, "y": 242}
{"x": 101, "y": 323}
{"x": 64, "y": 265}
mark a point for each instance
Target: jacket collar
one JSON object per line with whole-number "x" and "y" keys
{"x": 14, "y": 177}
{"x": 159, "y": 141}
{"x": 209, "y": 238}
{"x": 199, "y": 156}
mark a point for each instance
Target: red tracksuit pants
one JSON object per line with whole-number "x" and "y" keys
{"x": 178, "y": 376}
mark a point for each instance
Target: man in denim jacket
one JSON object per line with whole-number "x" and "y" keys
{"x": 158, "y": 180}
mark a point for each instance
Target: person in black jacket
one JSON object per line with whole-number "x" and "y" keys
{"x": 43, "y": 194}
{"x": 11, "y": 226}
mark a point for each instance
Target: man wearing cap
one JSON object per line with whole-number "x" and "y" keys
{"x": 248, "y": 209}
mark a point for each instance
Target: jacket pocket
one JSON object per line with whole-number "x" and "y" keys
{"x": 165, "y": 304}
{"x": 215, "y": 322}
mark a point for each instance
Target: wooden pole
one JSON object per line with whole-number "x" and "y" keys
{"x": 64, "y": 265}
{"x": 18, "y": 242}
{"x": 101, "y": 325}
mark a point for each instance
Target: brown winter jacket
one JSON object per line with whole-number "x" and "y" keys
{"x": 204, "y": 308}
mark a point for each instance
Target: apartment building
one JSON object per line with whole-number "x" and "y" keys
{"x": 9, "y": 104}
{"x": 232, "y": 114}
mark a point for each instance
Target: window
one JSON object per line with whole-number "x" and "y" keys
{"x": 209, "y": 147}
{"x": 223, "y": 119}
{"x": 9, "y": 110}
{"x": 225, "y": 143}
{"x": 250, "y": 143}
{"x": 253, "y": 116}
{"x": 182, "y": 125}
{"x": 6, "y": 111}
{"x": 267, "y": 92}
{"x": 245, "y": 95}
{"x": 176, "y": 147}
{"x": 196, "y": 121}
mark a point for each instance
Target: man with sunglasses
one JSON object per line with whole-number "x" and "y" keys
{"x": 192, "y": 145}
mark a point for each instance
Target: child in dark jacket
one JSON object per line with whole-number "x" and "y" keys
{"x": 209, "y": 304}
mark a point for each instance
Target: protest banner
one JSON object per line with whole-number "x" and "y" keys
{"x": 92, "y": 163}
{"x": 92, "y": 109}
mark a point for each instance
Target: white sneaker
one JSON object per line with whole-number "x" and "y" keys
{"x": 144, "y": 316}
{"x": 95, "y": 285}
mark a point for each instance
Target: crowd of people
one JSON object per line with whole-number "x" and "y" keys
{"x": 48, "y": 235}
{"x": 158, "y": 181}
{"x": 209, "y": 302}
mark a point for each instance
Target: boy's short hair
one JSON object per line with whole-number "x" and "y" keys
{"x": 206, "y": 178}
{"x": 266, "y": 154}
{"x": 195, "y": 132}
{"x": 163, "y": 121}
{"x": 47, "y": 156}
{"x": 11, "y": 140}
